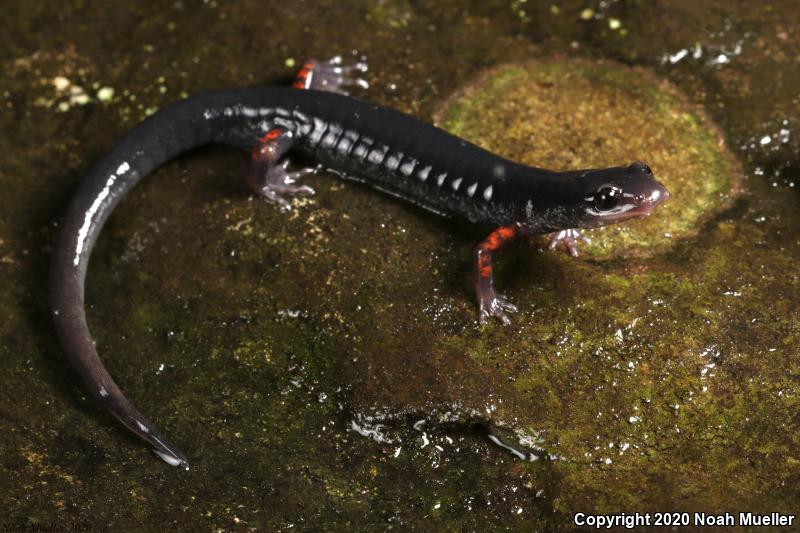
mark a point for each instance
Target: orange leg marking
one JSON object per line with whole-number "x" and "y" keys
{"x": 301, "y": 78}
{"x": 491, "y": 244}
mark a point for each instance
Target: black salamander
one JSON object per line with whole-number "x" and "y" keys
{"x": 360, "y": 141}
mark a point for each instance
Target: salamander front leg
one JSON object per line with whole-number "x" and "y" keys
{"x": 490, "y": 302}
{"x": 567, "y": 238}
{"x": 270, "y": 179}
{"x": 331, "y": 75}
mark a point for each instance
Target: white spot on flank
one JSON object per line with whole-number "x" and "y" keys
{"x": 345, "y": 144}
{"x": 423, "y": 173}
{"x": 440, "y": 178}
{"x": 392, "y": 161}
{"x": 456, "y": 184}
{"x": 123, "y": 168}
{"x": 471, "y": 189}
{"x": 408, "y": 167}
{"x": 487, "y": 193}
{"x": 103, "y": 392}
{"x": 529, "y": 209}
{"x": 378, "y": 154}
{"x": 142, "y": 427}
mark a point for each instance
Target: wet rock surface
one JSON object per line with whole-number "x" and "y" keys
{"x": 325, "y": 366}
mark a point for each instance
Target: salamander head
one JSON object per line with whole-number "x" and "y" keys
{"x": 631, "y": 193}
{"x": 593, "y": 198}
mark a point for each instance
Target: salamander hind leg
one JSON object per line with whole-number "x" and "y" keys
{"x": 489, "y": 301}
{"x": 269, "y": 177}
{"x": 331, "y": 75}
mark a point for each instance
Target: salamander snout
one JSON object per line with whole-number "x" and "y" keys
{"x": 643, "y": 189}
{"x": 641, "y": 192}
{"x": 658, "y": 194}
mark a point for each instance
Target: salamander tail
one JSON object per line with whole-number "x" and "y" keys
{"x": 70, "y": 323}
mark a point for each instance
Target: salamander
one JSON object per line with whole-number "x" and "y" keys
{"x": 357, "y": 140}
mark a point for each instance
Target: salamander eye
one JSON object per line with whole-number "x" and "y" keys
{"x": 639, "y": 166}
{"x": 607, "y": 197}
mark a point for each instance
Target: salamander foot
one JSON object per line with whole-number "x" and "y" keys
{"x": 495, "y": 305}
{"x": 567, "y": 238}
{"x": 332, "y": 75}
{"x": 279, "y": 183}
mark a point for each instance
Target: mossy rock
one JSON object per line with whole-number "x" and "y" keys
{"x": 568, "y": 114}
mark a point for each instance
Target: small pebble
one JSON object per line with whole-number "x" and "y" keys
{"x": 61, "y": 83}
{"x": 105, "y": 94}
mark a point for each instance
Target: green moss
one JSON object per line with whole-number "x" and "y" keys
{"x": 393, "y": 14}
